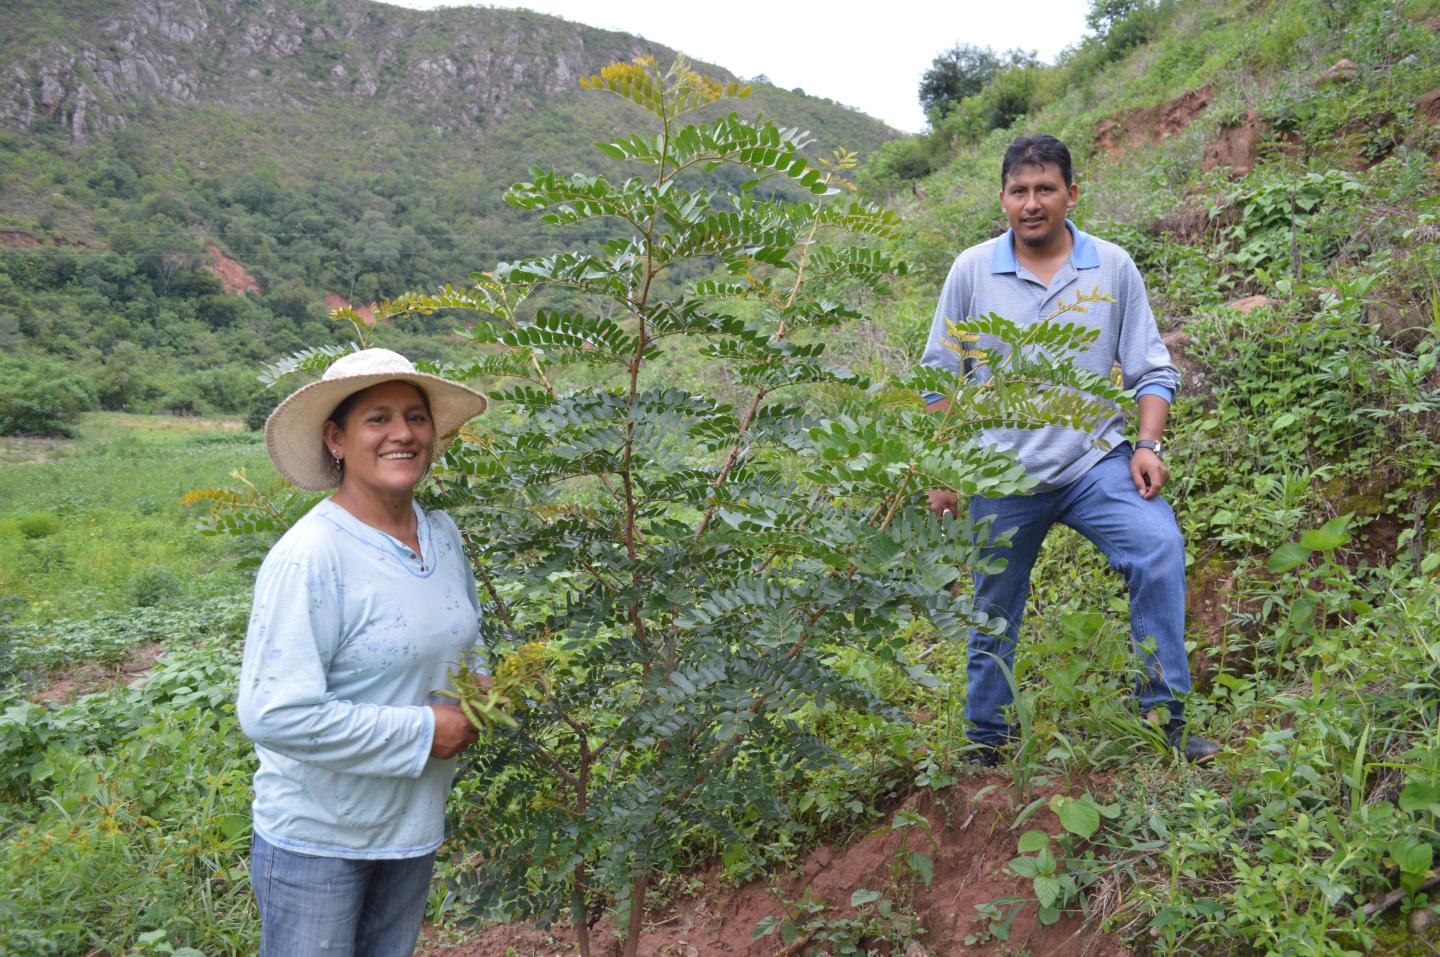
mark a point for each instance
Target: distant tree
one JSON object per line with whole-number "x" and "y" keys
{"x": 1011, "y": 94}
{"x": 961, "y": 71}
{"x": 40, "y": 398}
{"x": 965, "y": 72}
{"x": 1104, "y": 14}
{"x": 1120, "y": 25}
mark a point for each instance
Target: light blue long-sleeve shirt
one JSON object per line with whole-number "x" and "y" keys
{"x": 350, "y": 636}
{"x": 987, "y": 278}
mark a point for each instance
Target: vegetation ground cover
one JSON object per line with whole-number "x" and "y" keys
{"x": 1304, "y": 452}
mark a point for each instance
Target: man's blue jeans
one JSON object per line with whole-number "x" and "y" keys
{"x": 1142, "y": 541}
{"x": 331, "y": 905}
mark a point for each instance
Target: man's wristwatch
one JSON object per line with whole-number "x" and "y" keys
{"x": 1154, "y": 445}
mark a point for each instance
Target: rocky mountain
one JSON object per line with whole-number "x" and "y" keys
{"x": 93, "y": 67}
{"x": 159, "y": 157}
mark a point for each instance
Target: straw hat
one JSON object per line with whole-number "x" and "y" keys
{"x": 293, "y": 431}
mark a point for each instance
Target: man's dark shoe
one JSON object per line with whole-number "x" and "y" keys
{"x": 983, "y": 756}
{"x": 1197, "y": 750}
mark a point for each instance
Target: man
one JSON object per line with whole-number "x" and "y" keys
{"x": 1096, "y": 483}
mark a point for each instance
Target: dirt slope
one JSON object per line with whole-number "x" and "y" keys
{"x": 970, "y": 825}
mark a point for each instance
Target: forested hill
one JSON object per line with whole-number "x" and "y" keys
{"x": 159, "y": 156}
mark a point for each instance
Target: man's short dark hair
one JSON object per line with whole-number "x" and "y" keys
{"x": 1035, "y": 151}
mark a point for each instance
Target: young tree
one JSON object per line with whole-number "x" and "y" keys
{"x": 669, "y": 575}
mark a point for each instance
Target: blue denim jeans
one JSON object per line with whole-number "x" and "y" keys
{"x": 331, "y": 905}
{"x": 1142, "y": 541}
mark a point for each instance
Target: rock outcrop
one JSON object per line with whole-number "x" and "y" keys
{"x": 454, "y": 68}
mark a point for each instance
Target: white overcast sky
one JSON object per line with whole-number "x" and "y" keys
{"x": 869, "y": 56}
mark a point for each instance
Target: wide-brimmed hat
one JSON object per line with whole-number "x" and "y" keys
{"x": 293, "y": 431}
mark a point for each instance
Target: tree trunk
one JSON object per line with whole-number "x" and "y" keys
{"x": 638, "y": 887}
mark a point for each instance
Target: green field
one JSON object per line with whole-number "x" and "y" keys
{"x": 148, "y": 819}
{"x": 95, "y": 523}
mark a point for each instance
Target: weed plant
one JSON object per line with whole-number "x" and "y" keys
{"x": 127, "y": 813}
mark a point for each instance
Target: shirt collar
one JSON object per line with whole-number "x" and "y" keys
{"x": 1083, "y": 254}
{"x": 382, "y": 541}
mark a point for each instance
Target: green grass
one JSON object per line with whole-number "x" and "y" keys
{"x": 91, "y": 528}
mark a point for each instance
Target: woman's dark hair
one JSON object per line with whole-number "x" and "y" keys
{"x": 1035, "y": 151}
{"x": 342, "y": 411}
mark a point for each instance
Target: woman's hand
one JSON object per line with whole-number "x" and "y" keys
{"x": 453, "y": 731}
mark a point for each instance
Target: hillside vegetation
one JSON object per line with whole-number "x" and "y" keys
{"x": 1270, "y": 164}
{"x": 185, "y": 183}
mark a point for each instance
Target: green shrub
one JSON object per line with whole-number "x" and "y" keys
{"x": 153, "y": 586}
{"x": 39, "y": 525}
{"x": 41, "y": 399}
{"x": 261, "y": 405}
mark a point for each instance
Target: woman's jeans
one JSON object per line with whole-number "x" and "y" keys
{"x": 330, "y": 905}
{"x": 1142, "y": 542}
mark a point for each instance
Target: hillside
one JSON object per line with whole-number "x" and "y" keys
{"x": 158, "y": 157}
{"x": 746, "y": 736}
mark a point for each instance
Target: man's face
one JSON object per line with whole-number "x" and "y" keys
{"x": 1035, "y": 200}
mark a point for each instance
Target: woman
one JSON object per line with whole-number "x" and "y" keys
{"x": 361, "y": 611}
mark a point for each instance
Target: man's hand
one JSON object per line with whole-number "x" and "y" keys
{"x": 453, "y": 731}
{"x": 944, "y": 500}
{"x": 1148, "y": 472}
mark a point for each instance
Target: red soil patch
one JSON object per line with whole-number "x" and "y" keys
{"x": 1192, "y": 374}
{"x": 334, "y": 301}
{"x": 231, "y": 274}
{"x": 970, "y": 822}
{"x": 1250, "y": 303}
{"x": 67, "y": 686}
{"x": 1187, "y": 224}
{"x": 1139, "y": 127}
{"x": 1235, "y": 146}
{"x": 15, "y": 239}
{"x": 1427, "y": 108}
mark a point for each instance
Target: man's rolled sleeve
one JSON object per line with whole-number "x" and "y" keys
{"x": 1144, "y": 361}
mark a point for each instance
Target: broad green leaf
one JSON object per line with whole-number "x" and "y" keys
{"x": 1080, "y": 816}
{"x": 1025, "y": 866}
{"x": 1420, "y": 795}
{"x": 1288, "y": 556}
{"x": 862, "y": 897}
{"x": 924, "y": 867}
{"x": 1047, "y": 890}
{"x": 1032, "y": 841}
{"x": 1329, "y": 536}
{"x": 1412, "y": 857}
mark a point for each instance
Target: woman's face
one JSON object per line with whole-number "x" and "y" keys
{"x": 386, "y": 441}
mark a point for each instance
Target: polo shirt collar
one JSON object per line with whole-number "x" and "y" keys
{"x": 1083, "y": 254}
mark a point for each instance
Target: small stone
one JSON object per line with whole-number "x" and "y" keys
{"x": 1422, "y": 919}
{"x": 1342, "y": 72}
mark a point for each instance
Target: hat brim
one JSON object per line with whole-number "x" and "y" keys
{"x": 293, "y": 432}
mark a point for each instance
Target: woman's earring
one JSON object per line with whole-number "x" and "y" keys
{"x": 338, "y": 463}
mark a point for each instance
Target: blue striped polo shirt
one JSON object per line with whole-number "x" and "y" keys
{"x": 987, "y": 278}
